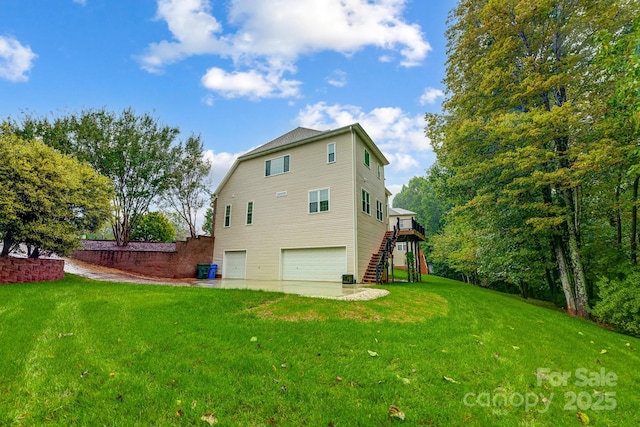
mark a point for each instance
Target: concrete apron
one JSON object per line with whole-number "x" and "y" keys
{"x": 310, "y": 289}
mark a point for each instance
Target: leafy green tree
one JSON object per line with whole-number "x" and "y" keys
{"x": 47, "y": 199}
{"x": 154, "y": 227}
{"x": 135, "y": 151}
{"x": 187, "y": 190}
{"x": 420, "y": 197}
{"x": 517, "y": 129}
{"x": 208, "y": 222}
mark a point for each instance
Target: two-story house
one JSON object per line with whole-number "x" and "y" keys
{"x": 309, "y": 205}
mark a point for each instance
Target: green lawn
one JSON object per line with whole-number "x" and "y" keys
{"x": 80, "y": 352}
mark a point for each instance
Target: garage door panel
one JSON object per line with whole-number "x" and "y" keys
{"x": 235, "y": 264}
{"x": 318, "y": 264}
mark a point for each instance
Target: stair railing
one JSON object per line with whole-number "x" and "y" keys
{"x": 387, "y": 250}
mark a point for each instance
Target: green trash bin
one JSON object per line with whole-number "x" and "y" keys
{"x": 203, "y": 271}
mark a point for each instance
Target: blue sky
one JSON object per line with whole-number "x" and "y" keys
{"x": 239, "y": 73}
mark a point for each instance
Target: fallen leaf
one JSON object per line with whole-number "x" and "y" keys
{"x": 496, "y": 355}
{"x": 67, "y": 334}
{"x": 395, "y": 412}
{"x": 451, "y": 380}
{"x": 515, "y": 347}
{"x": 444, "y": 351}
{"x": 209, "y": 418}
{"x": 339, "y": 378}
{"x": 284, "y": 366}
{"x": 84, "y": 374}
{"x": 283, "y": 388}
{"x": 480, "y": 342}
{"x": 372, "y": 353}
{"x": 193, "y": 404}
{"x": 511, "y": 327}
{"x": 580, "y": 333}
{"x": 179, "y": 412}
{"x": 273, "y": 368}
{"x": 603, "y": 351}
{"x": 254, "y": 339}
{"x": 628, "y": 344}
{"x": 583, "y": 418}
{"x": 112, "y": 374}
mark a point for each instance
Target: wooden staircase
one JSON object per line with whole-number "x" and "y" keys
{"x": 385, "y": 251}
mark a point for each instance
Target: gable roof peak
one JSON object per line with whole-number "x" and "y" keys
{"x": 292, "y": 136}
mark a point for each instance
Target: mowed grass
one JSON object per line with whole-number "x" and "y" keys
{"x": 81, "y": 352}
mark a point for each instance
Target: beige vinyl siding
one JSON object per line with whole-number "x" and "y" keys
{"x": 370, "y": 231}
{"x": 284, "y": 222}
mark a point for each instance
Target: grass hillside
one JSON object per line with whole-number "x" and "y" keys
{"x": 80, "y": 352}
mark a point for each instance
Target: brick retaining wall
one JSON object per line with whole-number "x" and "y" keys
{"x": 169, "y": 260}
{"x": 23, "y": 270}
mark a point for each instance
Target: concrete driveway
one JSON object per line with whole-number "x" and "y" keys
{"x": 334, "y": 290}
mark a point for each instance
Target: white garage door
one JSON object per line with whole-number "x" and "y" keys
{"x": 319, "y": 264}
{"x": 234, "y": 264}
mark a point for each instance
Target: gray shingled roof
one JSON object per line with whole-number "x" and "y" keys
{"x": 399, "y": 211}
{"x": 298, "y": 134}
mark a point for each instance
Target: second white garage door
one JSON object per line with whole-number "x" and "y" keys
{"x": 317, "y": 264}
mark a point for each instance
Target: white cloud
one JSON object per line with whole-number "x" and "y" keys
{"x": 272, "y": 35}
{"x": 430, "y": 96}
{"x": 81, "y": 2}
{"x": 338, "y": 78}
{"x": 193, "y": 28}
{"x": 208, "y": 100}
{"x": 249, "y": 84}
{"x": 220, "y": 165}
{"x": 390, "y": 127}
{"x": 398, "y": 134}
{"x": 16, "y": 60}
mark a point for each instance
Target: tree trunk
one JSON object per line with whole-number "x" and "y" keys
{"x": 563, "y": 268}
{"x": 618, "y": 218}
{"x": 7, "y": 242}
{"x": 634, "y": 222}
{"x": 582, "y": 298}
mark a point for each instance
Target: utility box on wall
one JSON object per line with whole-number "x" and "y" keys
{"x": 348, "y": 279}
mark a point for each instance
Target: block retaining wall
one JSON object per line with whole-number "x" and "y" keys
{"x": 24, "y": 270}
{"x": 169, "y": 260}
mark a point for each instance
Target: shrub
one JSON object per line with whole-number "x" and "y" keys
{"x": 619, "y": 304}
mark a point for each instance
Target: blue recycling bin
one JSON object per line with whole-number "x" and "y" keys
{"x": 213, "y": 269}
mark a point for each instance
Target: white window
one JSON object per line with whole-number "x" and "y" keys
{"x": 401, "y": 246}
{"x": 379, "y": 171}
{"x": 379, "y": 212}
{"x": 227, "y": 216}
{"x": 276, "y": 166}
{"x": 331, "y": 152}
{"x": 249, "y": 213}
{"x": 319, "y": 201}
{"x": 367, "y": 158}
{"x": 366, "y": 202}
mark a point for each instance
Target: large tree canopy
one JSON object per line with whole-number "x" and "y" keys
{"x": 47, "y": 199}
{"x": 528, "y": 169}
{"x": 135, "y": 151}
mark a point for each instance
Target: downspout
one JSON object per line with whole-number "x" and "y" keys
{"x": 355, "y": 204}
